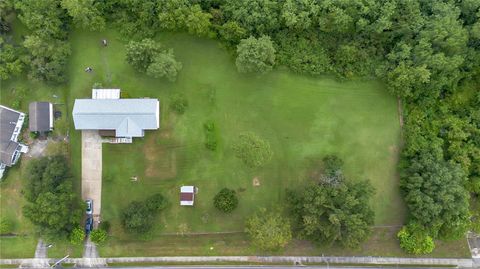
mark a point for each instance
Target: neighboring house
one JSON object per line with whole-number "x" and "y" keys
{"x": 115, "y": 117}
{"x": 40, "y": 117}
{"x": 11, "y": 122}
{"x": 187, "y": 195}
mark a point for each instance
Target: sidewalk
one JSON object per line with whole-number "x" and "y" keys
{"x": 465, "y": 263}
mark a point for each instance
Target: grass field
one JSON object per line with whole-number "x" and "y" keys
{"x": 303, "y": 118}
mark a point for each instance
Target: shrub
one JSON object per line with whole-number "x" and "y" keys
{"x": 179, "y": 103}
{"x": 226, "y": 200}
{"x": 164, "y": 65}
{"x": 156, "y": 202}
{"x": 98, "y": 236}
{"x": 139, "y": 217}
{"x": 211, "y": 136}
{"x": 415, "y": 240}
{"x": 252, "y": 150}
{"x": 77, "y": 236}
{"x": 105, "y": 225}
{"x": 268, "y": 231}
{"x": 332, "y": 164}
{"x": 5, "y": 226}
{"x": 34, "y": 135}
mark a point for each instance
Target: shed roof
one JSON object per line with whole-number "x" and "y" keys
{"x": 128, "y": 117}
{"x": 40, "y": 116}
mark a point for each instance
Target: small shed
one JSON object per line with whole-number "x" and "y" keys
{"x": 105, "y": 93}
{"x": 187, "y": 195}
{"x": 40, "y": 117}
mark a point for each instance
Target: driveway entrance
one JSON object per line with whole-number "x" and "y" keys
{"x": 92, "y": 170}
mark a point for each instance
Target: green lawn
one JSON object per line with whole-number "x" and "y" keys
{"x": 303, "y": 118}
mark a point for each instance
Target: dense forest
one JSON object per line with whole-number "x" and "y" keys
{"x": 426, "y": 52}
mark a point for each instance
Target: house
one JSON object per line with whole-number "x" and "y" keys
{"x": 11, "y": 122}
{"x": 40, "y": 117}
{"x": 187, "y": 195}
{"x": 116, "y": 117}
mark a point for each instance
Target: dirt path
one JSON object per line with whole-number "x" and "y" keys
{"x": 92, "y": 170}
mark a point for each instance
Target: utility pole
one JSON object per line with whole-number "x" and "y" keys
{"x": 59, "y": 261}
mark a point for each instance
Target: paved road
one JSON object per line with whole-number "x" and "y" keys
{"x": 258, "y": 267}
{"x": 92, "y": 170}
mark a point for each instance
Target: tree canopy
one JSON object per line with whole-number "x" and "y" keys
{"x": 268, "y": 230}
{"x": 52, "y": 204}
{"x": 333, "y": 214}
{"x": 255, "y": 55}
{"x": 252, "y": 150}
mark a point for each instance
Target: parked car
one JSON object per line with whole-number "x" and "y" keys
{"x": 89, "y": 224}
{"x": 89, "y": 206}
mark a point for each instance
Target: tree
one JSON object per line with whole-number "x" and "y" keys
{"x": 257, "y": 16}
{"x": 98, "y": 236}
{"x": 47, "y": 58}
{"x": 327, "y": 214}
{"x": 10, "y": 63}
{"x": 164, "y": 65}
{"x": 300, "y": 14}
{"x": 255, "y": 55}
{"x": 139, "y": 217}
{"x": 436, "y": 196}
{"x": 415, "y": 240}
{"x": 85, "y": 14}
{"x": 77, "y": 236}
{"x": 231, "y": 32}
{"x": 252, "y": 150}
{"x": 140, "y": 54}
{"x": 45, "y": 18}
{"x": 52, "y": 204}
{"x": 225, "y": 200}
{"x": 268, "y": 230}
{"x": 177, "y": 15}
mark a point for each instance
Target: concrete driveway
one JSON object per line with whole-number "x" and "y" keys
{"x": 92, "y": 170}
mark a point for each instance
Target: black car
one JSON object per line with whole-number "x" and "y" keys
{"x": 88, "y": 225}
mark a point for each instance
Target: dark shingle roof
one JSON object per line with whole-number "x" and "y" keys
{"x": 8, "y": 120}
{"x": 39, "y": 117}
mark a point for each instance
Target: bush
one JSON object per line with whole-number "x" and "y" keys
{"x": 105, "y": 225}
{"x": 5, "y": 226}
{"x": 211, "y": 137}
{"x": 268, "y": 231}
{"x": 156, "y": 202}
{"x": 226, "y": 200}
{"x": 98, "y": 236}
{"x": 77, "y": 236}
{"x": 139, "y": 217}
{"x": 415, "y": 240}
{"x": 179, "y": 103}
{"x": 34, "y": 135}
{"x": 164, "y": 65}
{"x": 332, "y": 164}
{"x": 252, "y": 150}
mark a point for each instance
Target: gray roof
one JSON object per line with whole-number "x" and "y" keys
{"x": 39, "y": 117}
{"x": 128, "y": 117}
{"x": 8, "y": 120}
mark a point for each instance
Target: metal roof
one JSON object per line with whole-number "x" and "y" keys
{"x": 128, "y": 117}
{"x": 105, "y": 93}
